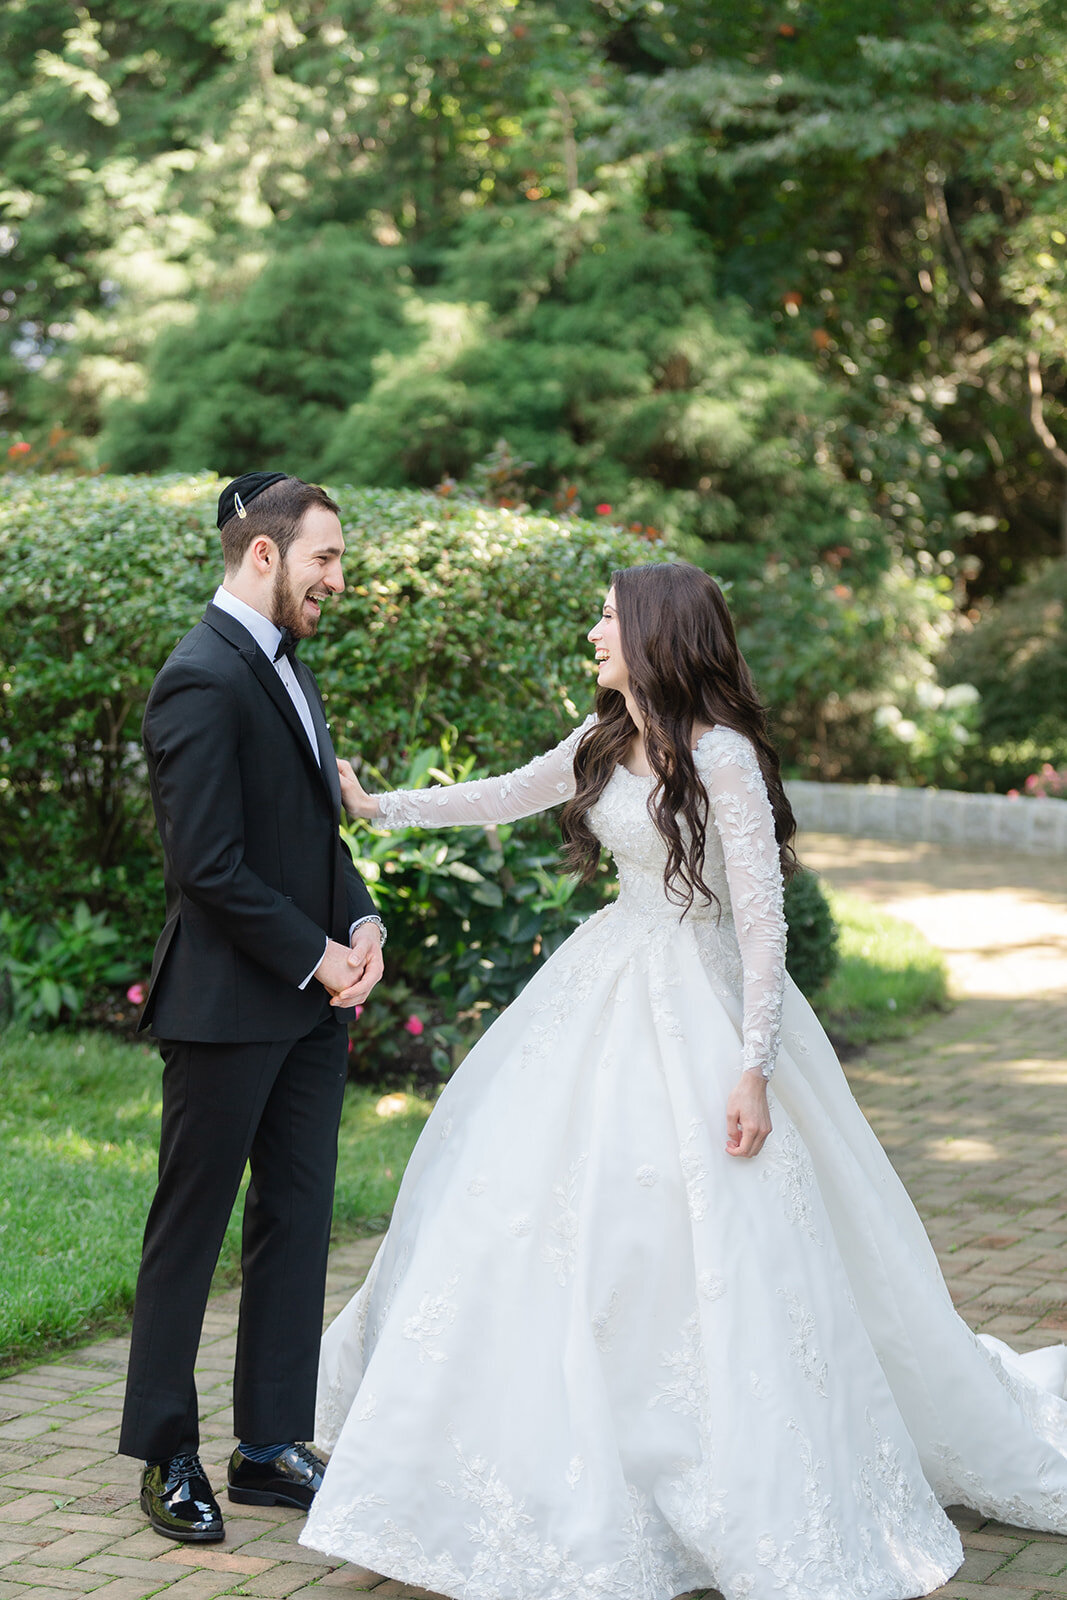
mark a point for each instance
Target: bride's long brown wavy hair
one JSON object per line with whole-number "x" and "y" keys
{"x": 685, "y": 668}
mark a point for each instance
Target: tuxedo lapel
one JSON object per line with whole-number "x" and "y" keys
{"x": 267, "y": 674}
{"x": 327, "y": 759}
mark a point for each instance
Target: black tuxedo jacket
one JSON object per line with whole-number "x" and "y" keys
{"x": 256, "y": 872}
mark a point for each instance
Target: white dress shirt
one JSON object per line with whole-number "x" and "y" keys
{"x": 268, "y": 635}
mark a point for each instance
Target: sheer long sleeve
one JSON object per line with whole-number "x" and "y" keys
{"x": 546, "y": 781}
{"x": 743, "y": 817}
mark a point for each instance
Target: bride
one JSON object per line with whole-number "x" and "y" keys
{"x": 641, "y": 1323}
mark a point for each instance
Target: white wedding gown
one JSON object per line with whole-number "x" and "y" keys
{"x": 596, "y": 1357}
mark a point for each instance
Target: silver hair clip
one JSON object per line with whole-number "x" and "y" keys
{"x": 239, "y": 504}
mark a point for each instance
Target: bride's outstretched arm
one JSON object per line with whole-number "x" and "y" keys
{"x": 546, "y": 781}
{"x": 745, "y": 822}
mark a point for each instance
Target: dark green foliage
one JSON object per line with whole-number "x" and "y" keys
{"x": 611, "y": 367}
{"x": 811, "y": 955}
{"x": 460, "y": 639}
{"x": 472, "y": 913}
{"x": 790, "y": 282}
{"x": 266, "y": 375}
{"x": 606, "y": 358}
{"x": 101, "y": 578}
{"x": 1016, "y": 656}
{"x": 48, "y": 970}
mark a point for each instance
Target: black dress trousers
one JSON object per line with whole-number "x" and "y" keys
{"x": 277, "y": 1106}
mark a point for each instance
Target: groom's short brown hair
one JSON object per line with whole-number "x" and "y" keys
{"x": 275, "y": 514}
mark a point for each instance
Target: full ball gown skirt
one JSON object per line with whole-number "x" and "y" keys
{"x": 598, "y": 1357}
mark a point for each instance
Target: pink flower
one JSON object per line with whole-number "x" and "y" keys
{"x": 359, "y": 1011}
{"x": 414, "y": 1025}
{"x": 603, "y": 510}
{"x": 136, "y": 992}
{"x": 351, "y": 1046}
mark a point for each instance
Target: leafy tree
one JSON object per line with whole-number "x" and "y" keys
{"x": 608, "y": 363}
{"x": 150, "y": 150}
{"x": 267, "y": 375}
{"x": 1016, "y": 656}
{"x": 881, "y": 186}
{"x": 887, "y": 188}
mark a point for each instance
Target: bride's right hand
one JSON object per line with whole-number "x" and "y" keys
{"x": 357, "y": 802}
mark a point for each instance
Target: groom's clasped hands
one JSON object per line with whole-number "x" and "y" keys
{"x": 349, "y": 974}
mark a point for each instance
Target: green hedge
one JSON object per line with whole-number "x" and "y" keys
{"x": 454, "y": 612}
{"x": 459, "y": 644}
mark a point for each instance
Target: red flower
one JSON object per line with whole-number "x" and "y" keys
{"x": 414, "y": 1025}
{"x": 603, "y": 511}
{"x": 136, "y": 992}
{"x": 21, "y": 448}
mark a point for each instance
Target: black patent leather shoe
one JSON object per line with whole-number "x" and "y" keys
{"x": 177, "y": 1499}
{"x": 293, "y": 1478}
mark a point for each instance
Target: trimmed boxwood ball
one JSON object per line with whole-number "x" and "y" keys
{"x": 811, "y": 953}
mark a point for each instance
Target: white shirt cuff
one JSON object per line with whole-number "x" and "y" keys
{"x": 316, "y": 967}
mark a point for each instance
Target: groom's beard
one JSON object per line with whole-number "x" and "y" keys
{"x": 287, "y": 607}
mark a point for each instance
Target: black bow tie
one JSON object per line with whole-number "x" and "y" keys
{"x": 286, "y": 646}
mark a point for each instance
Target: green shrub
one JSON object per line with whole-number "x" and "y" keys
{"x": 1016, "y": 657}
{"x": 48, "y": 970}
{"x": 450, "y": 610}
{"x": 811, "y": 954}
{"x": 453, "y": 610}
{"x": 101, "y": 577}
{"x": 471, "y": 912}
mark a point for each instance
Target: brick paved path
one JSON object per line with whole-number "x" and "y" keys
{"x": 972, "y": 1109}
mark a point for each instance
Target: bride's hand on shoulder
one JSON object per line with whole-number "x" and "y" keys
{"x": 748, "y": 1117}
{"x": 357, "y": 802}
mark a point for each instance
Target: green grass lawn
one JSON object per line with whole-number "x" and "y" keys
{"x": 79, "y": 1123}
{"x": 888, "y": 978}
{"x": 79, "y": 1120}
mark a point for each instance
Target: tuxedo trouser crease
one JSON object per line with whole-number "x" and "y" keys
{"x": 277, "y": 1107}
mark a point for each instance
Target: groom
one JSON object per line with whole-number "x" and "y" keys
{"x": 270, "y": 936}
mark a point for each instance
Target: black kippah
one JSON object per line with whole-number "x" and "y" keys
{"x": 242, "y": 491}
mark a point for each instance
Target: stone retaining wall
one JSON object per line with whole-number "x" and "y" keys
{"x": 939, "y": 816}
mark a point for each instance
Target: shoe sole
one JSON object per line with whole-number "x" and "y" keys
{"x": 266, "y": 1497}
